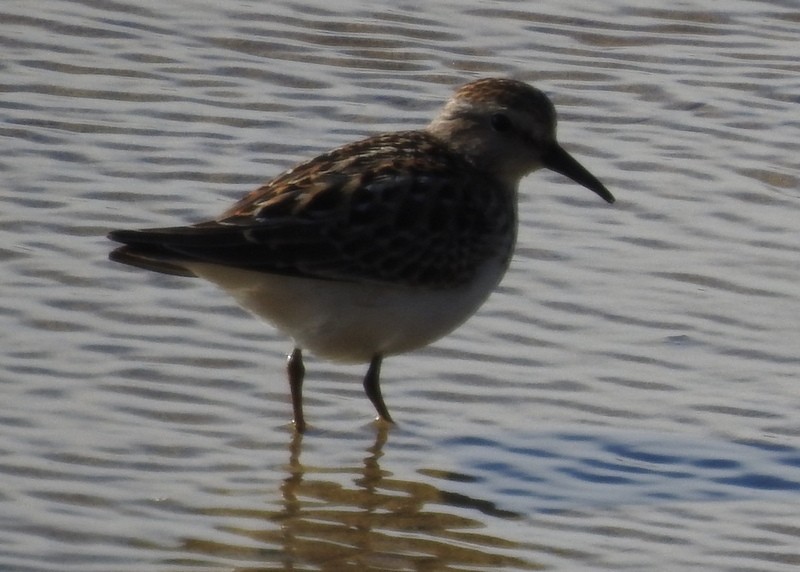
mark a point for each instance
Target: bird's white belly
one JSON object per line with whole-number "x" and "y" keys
{"x": 352, "y": 322}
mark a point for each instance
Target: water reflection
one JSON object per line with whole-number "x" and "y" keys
{"x": 359, "y": 518}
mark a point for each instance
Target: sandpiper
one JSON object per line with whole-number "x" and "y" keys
{"x": 381, "y": 246}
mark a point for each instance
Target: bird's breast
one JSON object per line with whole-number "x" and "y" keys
{"x": 353, "y": 321}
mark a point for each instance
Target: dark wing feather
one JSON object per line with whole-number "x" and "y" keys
{"x": 398, "y": 208}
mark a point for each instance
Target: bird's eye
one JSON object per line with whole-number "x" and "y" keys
{"x": 500, "y": 122}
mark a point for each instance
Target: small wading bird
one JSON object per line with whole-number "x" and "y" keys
{"x": 381, "y": 246}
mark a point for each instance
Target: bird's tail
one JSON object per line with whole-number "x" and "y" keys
{"x": 144, "y": 255}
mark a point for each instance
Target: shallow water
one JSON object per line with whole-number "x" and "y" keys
{"x": 628, "y": 398}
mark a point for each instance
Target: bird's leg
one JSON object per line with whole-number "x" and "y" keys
{"x": 372, "y": 385}
{"x": 296, "y": 371}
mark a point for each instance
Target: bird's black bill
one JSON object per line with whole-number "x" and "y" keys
{"x": 562, "y": 162}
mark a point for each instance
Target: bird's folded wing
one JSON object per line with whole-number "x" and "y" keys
{"x": 374, "y": 219}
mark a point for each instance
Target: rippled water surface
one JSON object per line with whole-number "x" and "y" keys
{"x": 627, "y": 400}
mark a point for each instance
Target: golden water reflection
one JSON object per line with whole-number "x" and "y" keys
{"x": 372, "y": 522}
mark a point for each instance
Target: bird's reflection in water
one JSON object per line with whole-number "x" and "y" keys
{"x": 361, "y": 518}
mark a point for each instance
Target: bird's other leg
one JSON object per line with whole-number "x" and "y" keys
{"x": 372, "y": 385}
{"x": 296, "y": 371}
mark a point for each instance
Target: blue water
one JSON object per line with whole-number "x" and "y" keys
{"x": 626, "y": 400}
